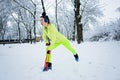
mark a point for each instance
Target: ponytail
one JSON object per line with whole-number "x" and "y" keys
{"x": 46, "y": 18}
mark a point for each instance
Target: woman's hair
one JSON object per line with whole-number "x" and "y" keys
{"x": 46, "y": 18}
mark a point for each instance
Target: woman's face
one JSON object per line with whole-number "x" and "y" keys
{"x": 42, "y": 21}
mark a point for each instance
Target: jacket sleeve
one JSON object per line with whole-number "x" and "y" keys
{"x": 44, "y": 36}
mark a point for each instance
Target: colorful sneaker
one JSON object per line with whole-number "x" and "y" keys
{"x": 47, "y": 67}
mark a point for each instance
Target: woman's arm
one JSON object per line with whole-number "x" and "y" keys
{"x": 44, "y": 36}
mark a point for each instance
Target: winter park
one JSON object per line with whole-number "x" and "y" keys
{"x": 59, "y": 40}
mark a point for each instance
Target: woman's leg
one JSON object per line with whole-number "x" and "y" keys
{"x": 67, "y": 44}
{"x": 48, "y": 64}
{"x": 48, "y": 51}
{"x": 70, "y": 48}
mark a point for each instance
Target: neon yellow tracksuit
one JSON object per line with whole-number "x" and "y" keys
{"x": 56, "y": 39}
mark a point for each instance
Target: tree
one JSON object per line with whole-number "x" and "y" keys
{"x": 18, "y": 23}
{"x": 77, "y": 21}
{"x": 3, "y": 23}
{"x": 85, "y": 13}
{"x": 64, "y": 17}
{"x": 61, "y": 12}
{"x": 5, "y": 6}
{"x": 90, "y": 11}
{"x": 31, "y": 9}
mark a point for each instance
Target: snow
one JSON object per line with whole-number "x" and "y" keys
{"x": 98, "y": 61}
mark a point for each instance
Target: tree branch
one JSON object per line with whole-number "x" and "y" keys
{"x": 24, "y": 7}
{"x": 59, "y": 2}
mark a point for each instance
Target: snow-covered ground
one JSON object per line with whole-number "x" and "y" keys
{"x": 98, "y": 61}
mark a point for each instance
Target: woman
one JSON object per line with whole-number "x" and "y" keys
{"x": 53, "y": 39}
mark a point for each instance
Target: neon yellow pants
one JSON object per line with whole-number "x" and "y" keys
{"x": 65, "y": 43}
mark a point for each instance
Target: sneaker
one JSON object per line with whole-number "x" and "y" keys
{"x": 76, "y": 57}
{"x": 45, "y": 69}
{"x": 48, "y": 67}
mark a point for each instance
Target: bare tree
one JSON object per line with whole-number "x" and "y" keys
{"x": 3, "y": 24}
{"x": 5, "y": 6}
{"x": 32, "y": 12}
{"x": 18, "y": 23}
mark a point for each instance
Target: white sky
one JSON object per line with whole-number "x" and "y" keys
{"x": 110, "y": 11}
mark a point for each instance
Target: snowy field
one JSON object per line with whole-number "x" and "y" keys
{"x": 98, "y": 61}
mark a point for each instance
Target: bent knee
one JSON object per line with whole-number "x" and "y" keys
{"x": 49, "y": 52}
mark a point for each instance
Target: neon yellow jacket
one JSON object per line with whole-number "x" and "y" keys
{"x": 52, "y": 34}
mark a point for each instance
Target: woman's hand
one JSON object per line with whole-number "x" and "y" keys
{"x": 48, "y": 44}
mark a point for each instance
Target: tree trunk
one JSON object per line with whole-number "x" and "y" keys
{"x": 30, "y": 36}
{"x": 43, "y": 5}
{"x": 78, "y": 23}
{"x": 56, "y": 16}
{"x": 3, "y": 35}
{"x": 3, "y": 31}
{"x": 73, "y": 34}
{"x": 19, "y": 32}
{"x": 19, "y": 25}
{"x": 79, "y": 34}
{"x": 34, "y": 24}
